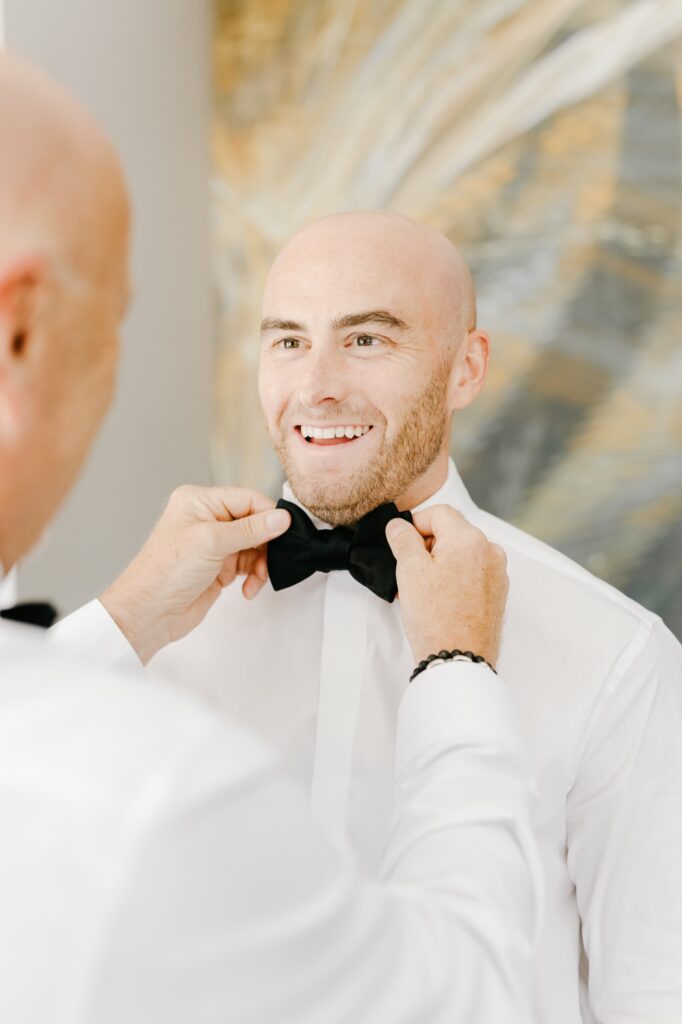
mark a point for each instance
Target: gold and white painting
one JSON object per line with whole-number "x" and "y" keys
{"x": 544, "y": 138}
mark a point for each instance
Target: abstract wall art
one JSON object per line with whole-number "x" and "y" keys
{"x": 545, "y": 138}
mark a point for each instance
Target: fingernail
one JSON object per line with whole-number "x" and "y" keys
{"x": 277, "y": 520}
{"x": 395, "y": 527}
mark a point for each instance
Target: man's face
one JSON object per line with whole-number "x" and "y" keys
{"x": 357, "y": 345}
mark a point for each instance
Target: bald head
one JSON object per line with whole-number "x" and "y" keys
{"x": 62, "y": 192}
{"x": 381, "y": 246}
{"x": 63, "y": 290}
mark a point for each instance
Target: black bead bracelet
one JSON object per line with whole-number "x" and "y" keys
{"x": 450, "y": 656}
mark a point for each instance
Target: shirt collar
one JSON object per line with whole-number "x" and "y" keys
{"x": 8, "y": 587}
{"x": 453, "y": 492}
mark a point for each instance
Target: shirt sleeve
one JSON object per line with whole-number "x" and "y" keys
{"x": 91, "y": 633}
{"x": 624, "y": 821}
{"x": 237, "y": 907}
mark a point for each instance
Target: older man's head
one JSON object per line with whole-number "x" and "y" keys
{"x": 369, "y": 344}
{"x": 63, "y": 290}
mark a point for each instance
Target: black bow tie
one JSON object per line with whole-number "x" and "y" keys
{"x": 362, "y": 550}
{"x": 35, "y": 613}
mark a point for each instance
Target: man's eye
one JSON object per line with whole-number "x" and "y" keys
{"x": 289, "y": 343}
{"x": 367, "y": 341}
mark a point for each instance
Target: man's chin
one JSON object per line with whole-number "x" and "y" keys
{"x": 337, "y": 499}
{"x": 336, "y": 484}
{"x": 330, "y": 471}
{"x": 321, "y": 492}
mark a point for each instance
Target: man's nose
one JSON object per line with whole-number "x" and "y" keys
{"x": 323, "y": 379}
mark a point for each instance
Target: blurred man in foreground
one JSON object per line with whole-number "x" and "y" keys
{"x": 154, "y": 864}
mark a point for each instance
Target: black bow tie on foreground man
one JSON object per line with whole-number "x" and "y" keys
{"x": 363, "y": 550}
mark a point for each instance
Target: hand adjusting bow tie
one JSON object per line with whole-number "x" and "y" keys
{"x": 363, "y": 550}
{"x": 35, "y": 613}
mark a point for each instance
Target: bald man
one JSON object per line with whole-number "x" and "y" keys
{"x": 52, "y": 225}
{"x": 154, "y": 864}
{"x": 369, "y": 346}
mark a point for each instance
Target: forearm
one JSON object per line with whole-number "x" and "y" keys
{"x": 265, "y": 919}
{"x": 462, "y": 861}
{"x": 91, "y": 633}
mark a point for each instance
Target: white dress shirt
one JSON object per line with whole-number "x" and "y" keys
{"x": 157, "y": 867}
{"x": 319, "y": 671}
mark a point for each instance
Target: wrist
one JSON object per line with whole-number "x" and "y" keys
{"x": 475, "y": 641}
{"x": 141, "y": 630}
{"x": 443, "y": 656}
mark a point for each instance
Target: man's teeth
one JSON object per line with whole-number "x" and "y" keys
{"x": 326, "y": 433}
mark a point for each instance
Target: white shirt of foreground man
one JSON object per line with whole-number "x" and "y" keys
{"x": 153, "y": 864}
{"x": 319, "y": 671}
{"x": 136, "y": 866}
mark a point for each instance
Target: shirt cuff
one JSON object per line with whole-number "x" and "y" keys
{"x": 453, "y": 701}
{"x": 91, "y": 633}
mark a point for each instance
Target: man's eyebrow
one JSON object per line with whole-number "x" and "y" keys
{"x": 270, "y": 324}
{"x": 376, "y": 316}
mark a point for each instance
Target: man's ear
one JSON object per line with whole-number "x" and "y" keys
{"x": 469, "y": 369}
{"x": 20, "y": 279}
{"x": 19, "y": 282}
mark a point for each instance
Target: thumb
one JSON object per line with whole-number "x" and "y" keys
{"x": 252, "y": 531}
{"x": 405, "y": 542}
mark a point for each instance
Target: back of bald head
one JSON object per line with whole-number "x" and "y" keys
{"x": 60, "y": 181}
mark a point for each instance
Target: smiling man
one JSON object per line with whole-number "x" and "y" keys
{"x": 369, "y": 346}
{"x": 360, "y": 366}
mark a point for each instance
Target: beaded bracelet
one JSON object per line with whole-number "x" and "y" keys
{"x": 450, "y": 656}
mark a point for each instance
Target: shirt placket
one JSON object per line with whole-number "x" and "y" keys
{"x": 342, "y": 670}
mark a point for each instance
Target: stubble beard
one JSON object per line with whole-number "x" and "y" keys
{"x": 343, "y": 500}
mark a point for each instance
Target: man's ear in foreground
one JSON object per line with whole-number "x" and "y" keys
{"x": 21, "y": 279}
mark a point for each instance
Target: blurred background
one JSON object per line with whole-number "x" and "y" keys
{"x": 544, "y": 137}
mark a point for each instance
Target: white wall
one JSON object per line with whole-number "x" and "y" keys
{"x": 142, "y": 66}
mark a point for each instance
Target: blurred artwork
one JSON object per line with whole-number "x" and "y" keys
{"x": 545, "y": 138}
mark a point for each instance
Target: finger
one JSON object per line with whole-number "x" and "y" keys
{"x": 437, "y": 520}
{"x": 261, "y": 567}
{"x": 252, "y": 587}
{"x": 405, "y": 542}
{"x": 221, "y": 503}
{"x": 250, "y": 532}
{"x": 246, "y": 561}
{"x": 253, "y": 561}
{"x": 228, "y": 573}
{"x": 240, "y": 502}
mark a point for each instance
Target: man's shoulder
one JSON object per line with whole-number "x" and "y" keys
{"x": 545, "y": 572}
{"x": 572, "y": 641}
{"x": 98, "y": 735}
{"x": 585, "y": 626}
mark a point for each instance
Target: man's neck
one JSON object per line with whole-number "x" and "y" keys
{"x": 425, "y": 486}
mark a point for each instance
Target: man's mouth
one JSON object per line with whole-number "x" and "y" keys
{"x": 332, "y": 435}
